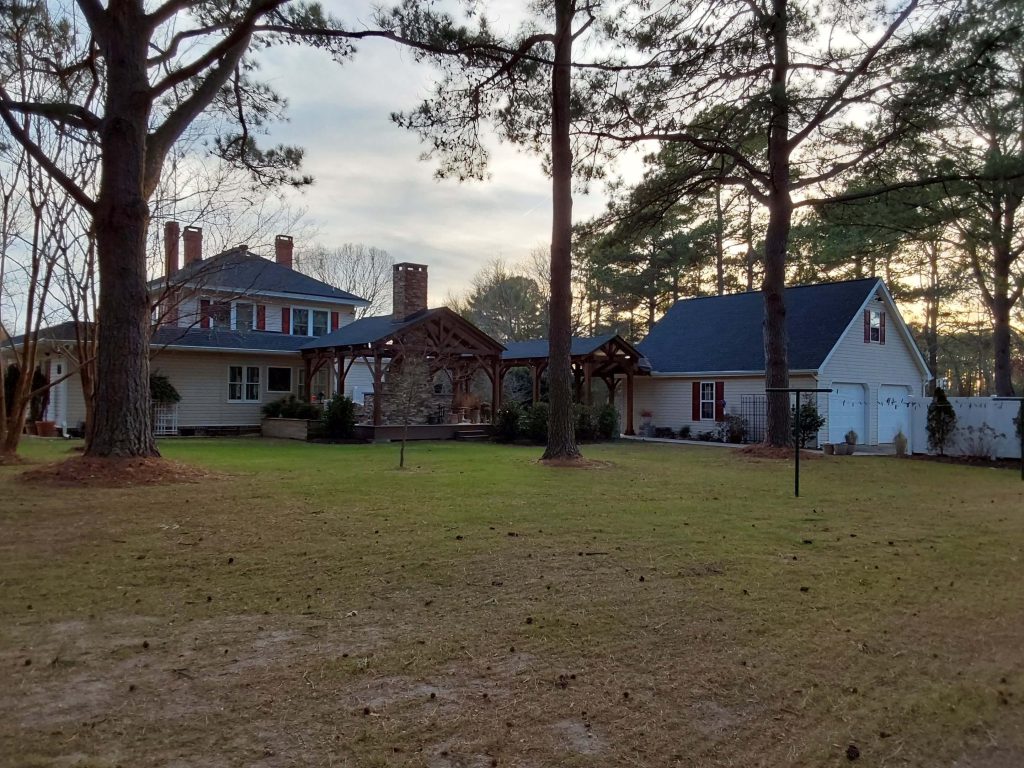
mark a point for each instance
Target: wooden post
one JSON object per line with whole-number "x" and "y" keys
{"x": 378, "y": 389}
{"x": 308, "y": 377}
{"x": 587, "y": 368}
{"x": 496, "y": 378}
{"x": 629, "y": 403}
{"x": 535, "y": 377}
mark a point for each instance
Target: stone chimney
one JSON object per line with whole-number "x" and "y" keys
{"x": 193, "y": 237}
{"x": 171, "y": 234}
{"x": 410, "y": 290}
{"x": 283, "y": 250}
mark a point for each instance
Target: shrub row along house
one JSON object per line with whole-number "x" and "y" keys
{"x": 236, "y": 331}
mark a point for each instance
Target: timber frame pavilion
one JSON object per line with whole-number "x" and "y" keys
{"x": 450, "y": 343}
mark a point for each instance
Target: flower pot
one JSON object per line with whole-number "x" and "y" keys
{"x": 841, "y": 449}
{"x": 828, "y": 449}
{"x": 46, "y": 429}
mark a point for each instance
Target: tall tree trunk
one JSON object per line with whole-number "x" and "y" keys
{"x": 561, "y": 434}
{"x": 932, "y": 312}
{"x": 780, "y": 215}
{"x": 719, "y": 242}
{"x": 999, "y": 307}
{"x": 122, "y": 422}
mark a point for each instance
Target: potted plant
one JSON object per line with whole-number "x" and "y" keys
{"x": 851, "y": 441}
{"x": 828, "y": 449}
{"x": 645, "y": 423}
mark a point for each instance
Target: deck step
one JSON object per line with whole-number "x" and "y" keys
{"x": 471, "y": 434}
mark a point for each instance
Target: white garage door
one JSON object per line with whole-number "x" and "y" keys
{"x": 847, "y": 409}
{"x": 893, "y": 412}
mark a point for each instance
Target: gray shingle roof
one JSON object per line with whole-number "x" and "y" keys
{"x": 538, "y": 348}
{"x": 366, "y": 330}
{"x": 216, "y": 338}
{"x": 195, "y": 338}
{"x": 724, "y": 333}
{"x": 245, "y": 273}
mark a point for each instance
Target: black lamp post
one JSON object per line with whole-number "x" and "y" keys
{"x": 796, "y": 437}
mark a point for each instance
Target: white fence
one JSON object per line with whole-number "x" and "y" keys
{"x": 982, "y": 425}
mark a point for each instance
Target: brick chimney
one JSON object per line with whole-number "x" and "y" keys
{"x": 283, "y": 250}
{"x": 171, "y": 234}
{"x": 410, "y": 290}
{"x": 193, "y": 237}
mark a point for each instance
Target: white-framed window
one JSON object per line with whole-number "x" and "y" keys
{"x": 300, "y": 321}
{"x": 321, "y": 323}
{"x": 876, "y": 325}
{"x": 279, "y": 379}
{"x": 707, "y": 401}
{"x": 244, "y": 316}
{"x": 243, "y": 383}
{"x": 310, "y": 322}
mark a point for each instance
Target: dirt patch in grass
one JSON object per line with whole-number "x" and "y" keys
{"x": 89, "y": 472}
{"x": 11, "y": 460}
{"x": 759, "y": 451}
{"x": 577, "y": 463}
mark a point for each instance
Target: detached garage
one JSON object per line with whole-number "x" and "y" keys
{"x": 707, "y": 361}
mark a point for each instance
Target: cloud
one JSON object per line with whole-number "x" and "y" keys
{"x": 371, "y": 186}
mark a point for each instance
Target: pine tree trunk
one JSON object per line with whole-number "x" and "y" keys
{"x": 121, "y": 419}
{"x": 780, "y": 215}
{"x": 1000, "y": 307}
{"x": 561, "y": 435}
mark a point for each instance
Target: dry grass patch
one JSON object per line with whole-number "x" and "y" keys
{"x": 678, "y": 608}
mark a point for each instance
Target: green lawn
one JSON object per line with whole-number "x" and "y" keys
{"x": 314, "y": 606}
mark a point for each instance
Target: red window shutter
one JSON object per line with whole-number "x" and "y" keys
{"x": 881, "y": 327}
{"x": 719, "y": 401}
{"x": 867, "y": 326}
{"x": 286, "y": 319}
{"x": 261, "y": 317}
{"x": 695, "y": 410}
{"x": 335, "y": 321}
{"x": 204, "y": 313}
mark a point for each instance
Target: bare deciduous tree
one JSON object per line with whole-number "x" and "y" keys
{"x": 363, "y": 270}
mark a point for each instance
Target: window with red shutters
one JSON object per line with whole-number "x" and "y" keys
{"x": 719, "y": 401}
{"x": 204, "y": 313}
{"x": 286, "y": 319}
{"x": 335, "y": 321}
{"x": 261, "y": 317}
{"x": 695, "y": 402}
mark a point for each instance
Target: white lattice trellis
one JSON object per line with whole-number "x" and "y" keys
{"x": 165, "y": 419}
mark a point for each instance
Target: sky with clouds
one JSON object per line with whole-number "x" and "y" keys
{"x": 371, "y": 187}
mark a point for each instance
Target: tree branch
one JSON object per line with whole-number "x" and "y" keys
{"x": 37, "y": 154}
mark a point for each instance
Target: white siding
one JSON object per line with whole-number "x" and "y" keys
{"x": 201, "y": 379}
{"x": 670, "y": 399}
{"x": 873, "y": 364}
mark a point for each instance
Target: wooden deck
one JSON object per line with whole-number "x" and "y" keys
{"x": 386, "y": 433}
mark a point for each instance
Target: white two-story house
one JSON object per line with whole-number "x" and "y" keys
{"x": 227, "y": 333}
